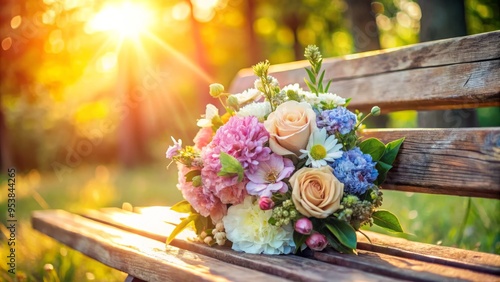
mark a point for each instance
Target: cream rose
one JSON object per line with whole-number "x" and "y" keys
{"x": 316, "y": 191}
{"x": 290, "y": 126}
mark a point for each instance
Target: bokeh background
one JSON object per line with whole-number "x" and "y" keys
{"x": 91, "y": 92}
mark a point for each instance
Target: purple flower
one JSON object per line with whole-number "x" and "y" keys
{"x": 266, "y": 203}
{"x": 174, "y": 149}
{"x": 268, "y": 176}
{"x": 339, "y": 120}
{"x": 356, "y": 170}
{"x": 316, "y": 242}
{"x": 304, "y": 226}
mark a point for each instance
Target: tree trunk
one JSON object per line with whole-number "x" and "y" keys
{"x": 444, "y": 19}
{"x": 253, "y": 45}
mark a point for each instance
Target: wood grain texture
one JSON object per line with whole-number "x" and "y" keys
{"x": 478, "y": 261}
{"x": 460, "y": 161}
{"x": 290, "y": 267}
{"x": 423, "y": 266}
{"x": 462, "y": 72}
{"x": 141, "y": 257}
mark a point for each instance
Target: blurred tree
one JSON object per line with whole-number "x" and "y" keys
{"x": 444, "y": 19}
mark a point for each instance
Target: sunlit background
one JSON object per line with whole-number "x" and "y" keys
{"x": 91, "y": 92}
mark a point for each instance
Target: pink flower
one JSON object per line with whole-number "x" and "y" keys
{"x": 304, "y": 226}
{"x": 316, "y": 242}
{"x": 203, "y": 137}
{"x": 268, "y": 176}
{"x": 266, "y": 203}
{"x": 244, "y": 138}
{"x": 206, "y": 204}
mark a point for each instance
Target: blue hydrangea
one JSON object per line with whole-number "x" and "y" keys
{"x": 356, "y": 170}
{"x": 336, "y": 120}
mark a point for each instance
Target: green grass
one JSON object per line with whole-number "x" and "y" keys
{"x": 431, "y": 218}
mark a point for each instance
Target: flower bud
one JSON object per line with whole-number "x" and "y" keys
{"x": 316, "y": 242}
{"x": 304, "y": 226}
{"x": 208, "y": 240}
{"x": 219, "y": 226}
{"x": 216, "y": 90}
{"x": 233, "y": 102}
{"x": 375, "y": 111}
{"x": 266, "y": 203}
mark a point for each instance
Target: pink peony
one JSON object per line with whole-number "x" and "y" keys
{"x": 203, "y": 137}
{"x": 206, "y": 204}
{"x": 243, "y": 138}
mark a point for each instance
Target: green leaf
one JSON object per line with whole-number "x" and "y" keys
{"x": 230, "y": 166}
{"x": 382, "y": 168}
{"x": 311, "y": 87}
{"x": 343, "y": 232}
{"x": 373, "y": 147}
{"x": 189, "y": 176}
{"x": 299, "y": 240}
{"x": 311, "y": 75}
{"x": 387, "y": 220}
{"x": 391, "y": 151}
{"x": 182, "y": 206}
{"x": 320, "y": 82}
{"x": 347, "y": 101}
{"x": 178, "y": 229}
{"x": 200, "y": 224}
{"x": 327, "y": 86}
{"x": 338, "y": 246}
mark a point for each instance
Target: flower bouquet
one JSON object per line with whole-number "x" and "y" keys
{"x": 282, "y": 169}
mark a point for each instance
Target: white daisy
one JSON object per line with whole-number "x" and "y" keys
{"x": 321, "y": 149}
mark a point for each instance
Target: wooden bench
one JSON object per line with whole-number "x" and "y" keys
{"x": 448, "y": 74}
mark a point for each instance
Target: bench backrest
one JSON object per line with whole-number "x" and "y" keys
{"x": 462, "y": 72}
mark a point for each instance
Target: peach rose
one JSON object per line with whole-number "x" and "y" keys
{"x": 290, "y": 126}
{"x": 316, "y": 191}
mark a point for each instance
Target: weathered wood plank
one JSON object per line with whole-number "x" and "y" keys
{"x": 460, "y": 161}
{"x": 459, "y": 72}
{"x": 289, "y": 267}
{"x": 477, "y": 261}
{"x": 402, "y": 268}
{"x": 421, "y": 269}
{"x": 141, "y": 257}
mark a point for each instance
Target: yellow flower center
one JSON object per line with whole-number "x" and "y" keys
{"x": 271, "y": 177}
{"x": 318, "y": 152}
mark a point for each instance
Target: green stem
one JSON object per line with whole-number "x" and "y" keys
{"x": 361, "y": 121}
{"x": 464, "y": 222}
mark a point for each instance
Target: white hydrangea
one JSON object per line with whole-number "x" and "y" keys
{"x": 259, "y": 110}
{"x": 248, "y": 228}
{"x": 329, "y": 98}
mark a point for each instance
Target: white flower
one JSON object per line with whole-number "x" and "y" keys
{"x": 293, "y": 87}
{"x": 259, "y": 110}
{"x": 323, "y": 98}
{"x": 248, "y": 96}
{"x": 248, "y": 228}
{"x": 321, "y": 149}
{"x": 210, "y": 112}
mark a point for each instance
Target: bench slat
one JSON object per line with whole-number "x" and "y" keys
{"x": 460, "y": 72}
{"x": 141, "y": 257}
{"x": 459, "y": 161}
{"x": 425, "y": 270}
{"x": 400, "y": 247}
{"x": 289, "y": 267}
